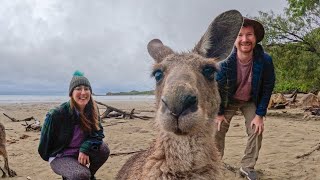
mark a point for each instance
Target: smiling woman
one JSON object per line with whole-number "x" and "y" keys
{"x": 72, "y": 135}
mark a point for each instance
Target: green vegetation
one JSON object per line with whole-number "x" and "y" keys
{"x": 131, "y": 93}
{"x": 293, "y": 41}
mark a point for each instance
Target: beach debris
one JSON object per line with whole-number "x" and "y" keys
{"x": 313, "y": 110}
{"x": 309, "y": 100}
{"x": 115, "y": 112}
{"x": 35, "y": 126}
{"x": 126, "y": 153}
{"x": 16, "y": 120}
{"x": 3, "y": 152}
{"x": 280, "y": 101}
{"x": 11, "y": 141}
{"x": 24, "y": 136}
{"x": 277, "y": 101}
{"x": 230, "y": 168}
{"x": 316, "y": 148}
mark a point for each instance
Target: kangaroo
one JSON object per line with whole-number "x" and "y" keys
{"x": 187, "y": 100}
{"x": 4, "y": 153}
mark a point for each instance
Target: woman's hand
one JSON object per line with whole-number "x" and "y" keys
{"x": 83, "y": 159}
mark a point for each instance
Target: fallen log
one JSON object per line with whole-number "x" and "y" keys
{"x": 277, "y": 101}
{"x": 124, "y": 113}
{"x": 317, "y": 148}
{"x": 294, "y": 93}
{"x": 230, "y": 168}
{"x": 125, "y": 153}
{"x": 106, "y": 113}
{"x": 35, "y": 126}
{"x": 16, "y": 120}
{"x": 280, "y": 106}
{"x": 315, "y": 111}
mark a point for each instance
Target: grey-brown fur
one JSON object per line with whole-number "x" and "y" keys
{"x": 187, "y": 101}
{"x": 3, "y": 152}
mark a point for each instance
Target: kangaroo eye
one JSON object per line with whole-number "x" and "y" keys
{"x": 158, "y": 75}
{"x": 208, "y": 72}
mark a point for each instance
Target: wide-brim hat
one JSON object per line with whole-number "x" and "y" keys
{"x": 257, "y": 26}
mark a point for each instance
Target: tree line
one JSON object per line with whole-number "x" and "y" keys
{"x": 293, "y": 40}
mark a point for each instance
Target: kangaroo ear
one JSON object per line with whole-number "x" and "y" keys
{"x": 158, "y": 51}
{"x": 219, "y": 39}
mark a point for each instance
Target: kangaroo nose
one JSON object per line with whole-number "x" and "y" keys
{"x": 183, "y": 105}
{"x": 188, "y": 101}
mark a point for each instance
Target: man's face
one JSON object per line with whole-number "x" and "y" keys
{"x": 246, "y": 40}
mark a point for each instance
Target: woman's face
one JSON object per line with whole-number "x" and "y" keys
{"x": 81, "y": 95}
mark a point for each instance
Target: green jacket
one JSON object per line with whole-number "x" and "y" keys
{"x": 57, "y": 132}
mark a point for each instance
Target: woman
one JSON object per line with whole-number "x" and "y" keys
{"x": 71, "y": 136}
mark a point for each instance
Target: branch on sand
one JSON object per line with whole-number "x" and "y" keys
{"x": 313, "y": 110}
{"x": 16, "y": 120}
{"x": 119, "y": 112}
{"x": 35, "y": 126}
{"x": 280, "y": 101}
{"x": 125, "y": 153}
{"x": 317, "y": 148}
{"x": 230, "y": 168}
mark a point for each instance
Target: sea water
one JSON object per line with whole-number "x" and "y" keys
{"x": 7, "y": 99}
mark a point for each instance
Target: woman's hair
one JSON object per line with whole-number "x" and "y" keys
{"x": 89, "y": 119}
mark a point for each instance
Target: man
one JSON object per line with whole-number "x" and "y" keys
{"x": 246, "y": 81}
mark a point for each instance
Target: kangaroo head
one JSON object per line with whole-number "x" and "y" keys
{"x": 187, "y": 96}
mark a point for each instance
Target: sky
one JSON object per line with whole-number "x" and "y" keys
{"x": 42, "y": 42}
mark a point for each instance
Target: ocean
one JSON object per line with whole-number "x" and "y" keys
{"x": 8, "y": 99}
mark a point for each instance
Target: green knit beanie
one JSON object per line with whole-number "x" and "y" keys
{"x": 77, "y": 80}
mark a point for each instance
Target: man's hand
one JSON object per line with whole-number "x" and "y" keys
{"x": 257, "y": 122}
{"x": 83, "y": 159}
{"x": 219, "y": 120}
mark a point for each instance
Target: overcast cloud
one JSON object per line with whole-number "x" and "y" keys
{"x": 43, "y": 42}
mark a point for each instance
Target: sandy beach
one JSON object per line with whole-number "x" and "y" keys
{"x": 287, "y": 135}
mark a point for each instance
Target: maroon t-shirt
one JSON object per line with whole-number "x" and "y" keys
{"x": 244, "y": 79}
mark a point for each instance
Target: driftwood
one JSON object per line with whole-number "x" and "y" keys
{"x": 125, "y": 153}
{"x": 309, "y": 100}
{"x": 317, "y": 148}
{"x": 106, "y": 113}
{"x": 313, "y": 110}
{"x": 230, "y": 168}
{"x": 16, "y": 120}
{"x": 280, "y": 101}
{"x": 124, "y": 114}
{"x": 277, "y": 101}
{"x": 35, "y": 126}
{"x": 294, "y": 94}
